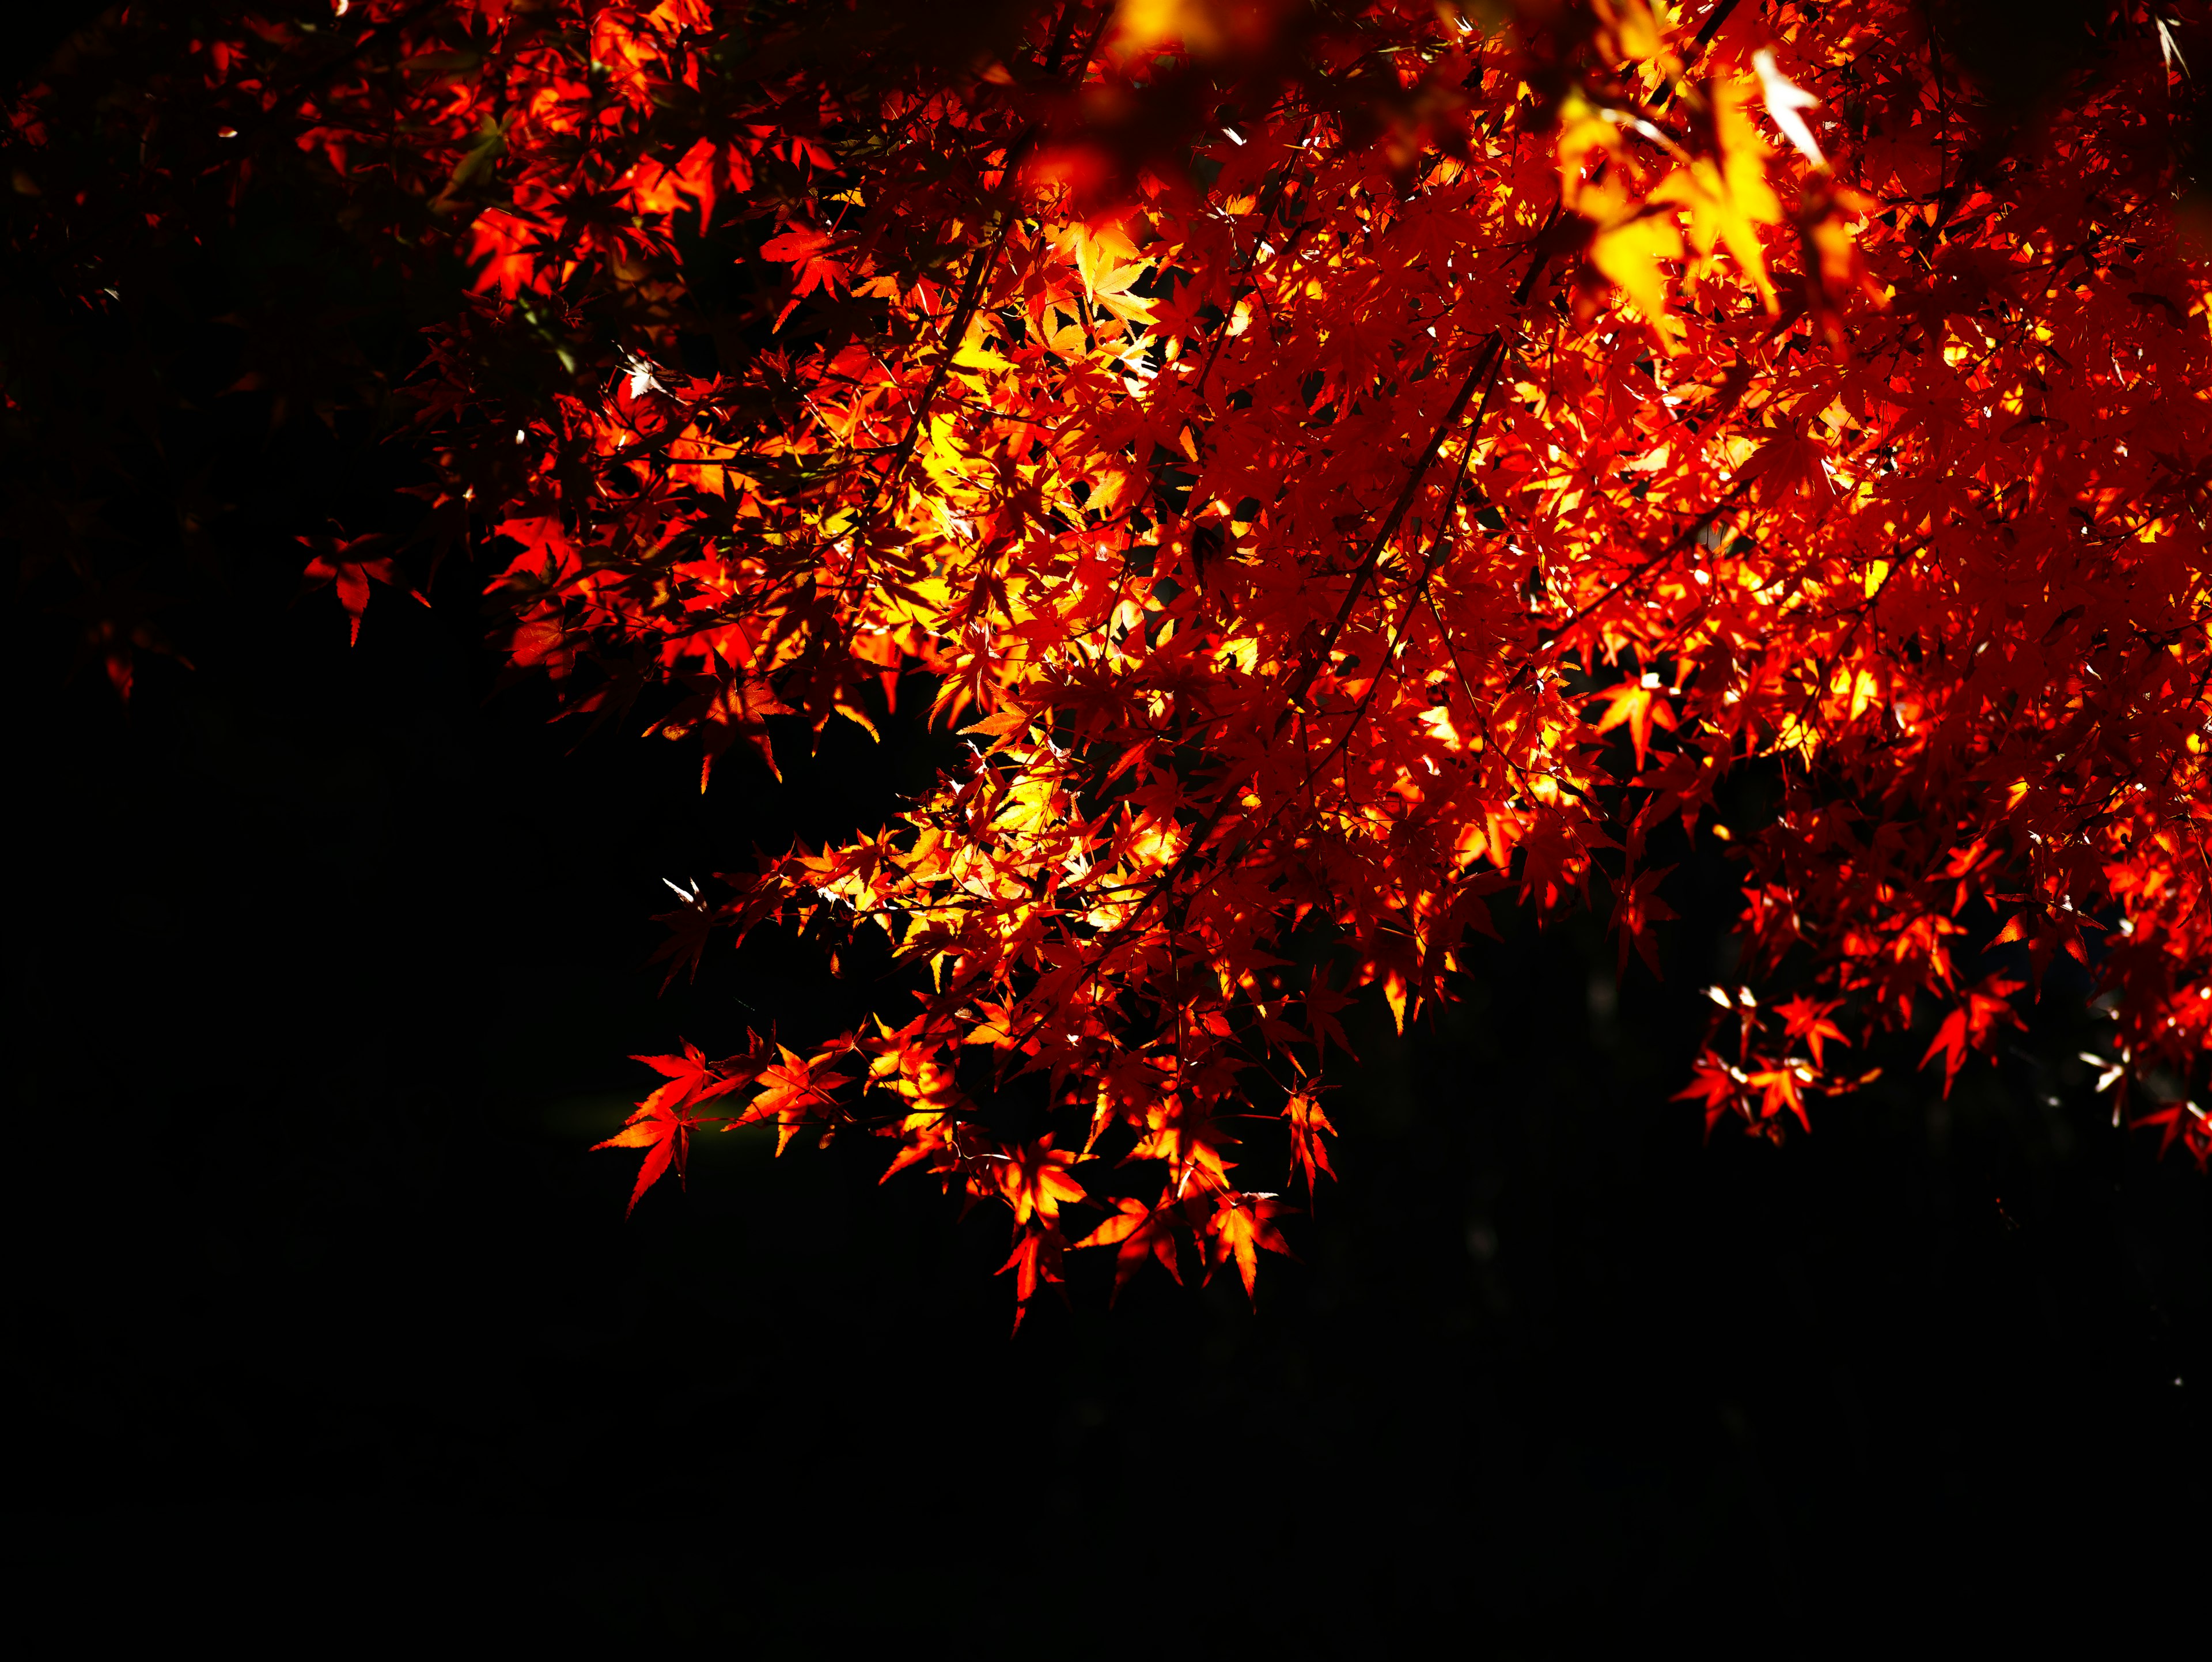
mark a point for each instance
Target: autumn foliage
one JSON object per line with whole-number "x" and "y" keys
{"x": 1342, "y": 467}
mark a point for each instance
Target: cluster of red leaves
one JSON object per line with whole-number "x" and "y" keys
{"x": 1295, "y": 441}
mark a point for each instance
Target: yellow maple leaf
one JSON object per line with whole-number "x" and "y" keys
{"x": 1589, "y": 144}
{"x": 1630, "y": 251}
{"x": 1727, "y": 200}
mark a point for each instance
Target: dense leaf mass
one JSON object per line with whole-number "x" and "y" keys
{"x": 1340, "y": 466}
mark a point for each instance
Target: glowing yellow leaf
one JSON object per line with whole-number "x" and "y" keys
{"x": 1630, "y": 253}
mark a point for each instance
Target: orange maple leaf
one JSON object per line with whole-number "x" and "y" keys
{"x": 1141, "y": 1231}
{"x": 1309, "y": 1153}
{"x": 792, "y": 1093}
{"x": 1641, "y": 705}
{"x": 1239, "y": 1226}
{"x": 1034, "y": 1178}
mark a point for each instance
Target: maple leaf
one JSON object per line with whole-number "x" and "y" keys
{"x": 1322, "y": 1003}
{"x": 1034, "y": 1178}
{"x": 1635, "y": 908}
{"x": 793, "y": 1091}
{"x": 1808, "y": 1019}
{"x": 1789, "y": 462}
{"x": 663, "y": 1122}
{"x": 1035, "y": 1260}
{"x": 1778, "y": 1088}
{"x": 1713, "y": 1084}
{"x": 1309, "y": 1153}
{"x": 1181, "y": 1133}
{"x": 1632, "y": 252}
{"x": 1238, "y": 1227}
{"x": 2047, "y": 935}
{"x": 1784, "y": 99}
{"x": 1968, "y": 1026}
{"x": 348, "y": 565}
{"x": 1641, "y": 706}
{"x": 690, "y": 927}
{"x": 118, "y": 624}
{"x": 722, "y": 711}
{"x": 1727, "y": 196}
{"x": 2182, "y": 1121}
{"x": 1141, "y": 1231}
{"x": 805, "y": 249}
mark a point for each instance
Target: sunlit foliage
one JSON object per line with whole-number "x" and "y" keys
{"x": 1341, "y": 465}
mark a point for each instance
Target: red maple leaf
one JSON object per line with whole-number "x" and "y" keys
{"x": 1309, "y": 1153}
{"x": 1808, "y": 1019}
{"x": 348, "y": 563}
{"x": 1141, "y": 1231}
{"x": 1035, "y": 1262}
{"x": 1322, "y": 1003}
{"x": 663, "y": 1122}
{"x": 806, "y": 250}
{"x": 1636, "y": 907}
{"x": 1714, "y": 1085}
{"x": 1968, "y": 1026}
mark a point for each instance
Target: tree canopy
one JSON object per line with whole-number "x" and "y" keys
{"x": 1341, "y": 467}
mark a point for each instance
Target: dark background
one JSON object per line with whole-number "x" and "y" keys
{"x": 323, "y": 967}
